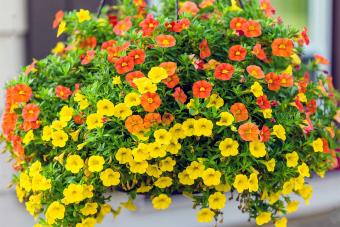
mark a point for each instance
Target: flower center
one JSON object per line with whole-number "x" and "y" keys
{"x": 150, "y": 100}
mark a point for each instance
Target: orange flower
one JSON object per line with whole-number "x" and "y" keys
{"x": 282, "y": 47}
{"x": 311, "y": 107}
{"x": 189, "y": 7}
{"x": 259, "y": 53}
{"x": 172, "y": 81}
{"x": 286, "y": 80}
{"x": 134, "y": 124}
{"x": 237, "y": 23}
{"x": 150, "y": 101}
{"x": 237, "y": 53}
{"x": 252, "y": 29}
{"x": 239, "y": 111}
{"x": 321, "y": 60}
{"x": 28, "y": 125}
{"x": 206, "y": 3}
{"x": 124, "y": 65}
{"x": 138, "y": 56}
{"x": 204, "y": 49}
{"x": 30, "y": 112}
{"x": 167, "y": 118}
{"x": 165, "y": 41}
{"x": 181, "y": 25}
{"x": 9, "y": 121}
{"x": 21, "y": 93}
{"x": 133, "y": 75}
{"x": 255, "y": 71}
{"x": 57, "y": 19}
{"x": 179, "y": 95}
{"x": 122, "y": 26}
{"x": 201, "y": 89}
{"x": 267, "y": 7}
{"x": 63, "y": 92}
{"x": 170, "y": 67}
{"x": 273, "y": 81}
{"x": 249, "y": 131}
{"x": 90, "y": 43}
{"x": 224, "y": 71}
{"x": 87, "y": 58}
{"x": 152, "y": 119}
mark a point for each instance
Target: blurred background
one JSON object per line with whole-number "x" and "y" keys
{"x": 26, "y": 33}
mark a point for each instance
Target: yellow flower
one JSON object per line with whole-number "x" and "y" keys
{"x": 138, "y": 167}
{"x": 288, "y": 187}
{"x": 35, "y": 168}
{"x": 47, "y": 133}
{"x": 25, "y": 182}
{"x": 257, "y": 149}
{"x": 144, "y": 189}
{"x": 54, "y": 211}
{"x": 58, "y": 125}
{"x": 162, "y": 136}
{"x": 145, "y": 85}
{"x": 223, "y": 187}
{"x": 189, "y": 126}
{"x": 174, "y": 146}
{"x": 157, "y": 74}
{"x": 157, "y": 150}
{"x": 142, "y": 152}
{"x": 83, "y": 104}
{"x": 153, "y": 171}
{"x": 66, "y": 113}
{"x": 87, "y": 222}
{"x": 241, "y": 183}
{"x": 292, "y": 159}
{"x": 226, "y": 119}
{"x": 185, "y": 179}
{"x": 217, "y": 201}
{"x": 274, "y": 197}
{"x": 122, "y": 111}
{"x": 304, "y": 170}
{"x": 96, "y": 163}
{"x": 33, "y": 205}
{"x": 75, "y": 135}
{"x": 270, "y": 165}
{"x": 253, "y": 183}
{"x": 59, "y": 138}
{"x": 292, "y": 206}
{"x": 306, "y": 192}
{"x": 89, "y": 209}
{"x": 167, "y": 165}
{"x": 124, "y": 155}
{"x": 216, "y": 101}
{"x": 40, "y": 183}
{"x": 256, "y": 89}
{"x": 161, "y": 202}
{"x": 281, "y": 222}
{"x": 267, "y": 113}
{"x": 177, "y": 131}
{"x": 132, "y": 99}
{"x": 116, "y": 80}
{"x": 288, "y": 70}
{"x": 105, "y": 107}
{"x": 229, "y": 147}
{"x": 299, "y": 183}
{"x": 203, "y": 127}
{"x": 110, "y": 177}
{"x": 28, "y": 137}
{"x": 296, "y": 60}
{"x": 83, "y": 15}
{"x": 87, "y": 191}
{"x": 302, "y": 97}
{"x": 211, "y": 177}
{"x": 263, "y": 218}
{"x": 163, "y": 182}
{"x": 59, "y": 48}
{"x": 195, "y": 170}
{"x": 73, "y": 194}
{"x": 205, "y": 215}
{"x": 61, "y": 28}
{"x": 94, "y": 121}
{"x": 279, "y": 132}
{"x": 318, "y": 145}
{"x": 74, "y": 163}
{"x": 20, "y": 193}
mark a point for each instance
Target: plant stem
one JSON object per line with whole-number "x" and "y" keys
{"x": 241, "y": 4}
{"x": 101, "y": 5}
{"x": 177, "y": 10}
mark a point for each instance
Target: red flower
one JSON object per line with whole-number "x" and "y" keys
{"x": 201, "y": 89}
{"x": 237, "y": 23}
{"x": 150, "y": 101}
{"x": 30, "y": 112}
{"x": 170, "y": 26}
{"x": 224, "y": 71}
{"x": 124, "y": 65}
{"x": 237, "y": 53}
{"x": 255, "y": 71}
{"x": 88, "y": 57}
{"x": 282, "y": 47}
{"x": 165, "y": 41}
{"x": 299, "y": 105}
{"x": 204, "y": 49}
{"x": 122, "y": 26}
{"x": 259, "y": 53}
{"x": 179, "y": 95}
{"x": 273, "y": 81}
{"x": 240, "y": 112}
{"x": 252, "y": 29}
{"x": 172, "y": 81}
{"x": 57, "y": 19}
{"x": 113, "y": 19}
{"x": 181, "y": 25}
{"x": 138, "y": 56}
{"x": 264, "y": 134}
{"x": 148, "y": 25}
{"x": 286, "y": 80}
{"x": 133, "y": 75}
{"x": 311, "y": 107}
{"x": 304, "y": 35}
{"x": 263, "y": 102}
{"x": 20, "y": 93}
{"x": 107, "y": 44}
{"x": 63, "y": 92}
{"x": 78, "y": 119}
